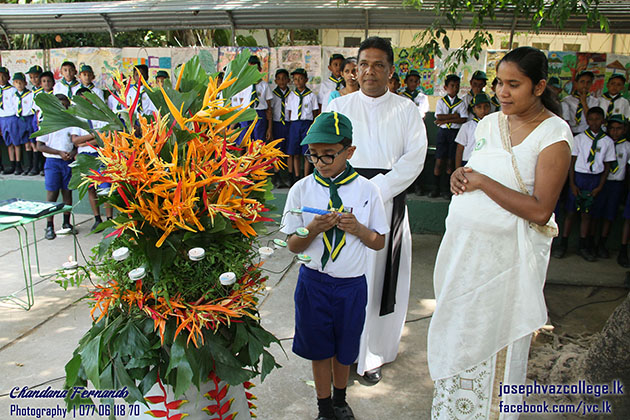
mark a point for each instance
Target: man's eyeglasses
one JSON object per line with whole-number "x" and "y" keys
{"x": 325, "y": 159}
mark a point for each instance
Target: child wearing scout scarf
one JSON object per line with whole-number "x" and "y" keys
{"x": 593, "y": 152}
{"x": 331, "y": 292}
{"x": 21, "y": 124}
{"x": 68, "y": 85}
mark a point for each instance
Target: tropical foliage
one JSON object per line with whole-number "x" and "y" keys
{"x": 179, "y": 179}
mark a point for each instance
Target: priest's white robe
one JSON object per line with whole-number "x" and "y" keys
{"x": 389, "y": 133}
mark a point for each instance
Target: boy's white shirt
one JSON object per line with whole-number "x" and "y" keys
{"x": 622, "y": 151}
{"x": 325, "y": 88}
{"x": 276, "y": 106}
{"x": 81, "y": 132}
{"x": 442, "y": 108}
{"x": 582, "y": 147}
{"x": 466, "y": 137}
{"x": 362, "y": 196}
{"x": 60, "y": 140}
{"x": 309, "y": 105}
{"x": 27, "y": 103}
{"x": 243, "y": 98}
{"x": 60, "y": 88}
{"x": 569, "y": 108}
{"x": 148, "y": 108}
{"x": 622, "y": 106}
{"x": 7, "y": 110}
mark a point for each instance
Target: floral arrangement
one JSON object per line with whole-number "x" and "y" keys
{"x": 180, "y": 281}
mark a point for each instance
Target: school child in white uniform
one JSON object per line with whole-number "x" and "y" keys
{"x": 260, "y": 96}
{"x": 86, "y": 76}
{"x": 575, "y": 106}
{"x": 607, "y": 205}
{"x": 47, "y": 82}
{"x": 331, "y": 292}
{"x": 68, "y": 85}
{"x": 611, "y": 101}
{"x": 333, "y": 82}
{"x": 303, "y": 109}
{"x": 6, "y": 114}
{"x": 478, "y": 82}
{"x": 144, "y": 106}
{"x": 495, "y": 105}
{"x": 450, "y": 113}
{"x": 412, "y": 81}
{"x": 281, "y": 120}
{"x": 466, "y": 136}
{"x": 21, "y": 125}
{"x": 59, "y": 152}
{"x": 593, "y": 152}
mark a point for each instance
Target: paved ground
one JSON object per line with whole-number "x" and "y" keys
{"x": 36, "y": 344}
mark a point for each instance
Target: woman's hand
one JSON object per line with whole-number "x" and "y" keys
{"x": 465, "y": 179}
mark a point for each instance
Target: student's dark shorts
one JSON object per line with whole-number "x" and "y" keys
{"x": 445, "y": 146}
{"x": 24, "y": 128}
{"x": 58, "y": 174}
{"x": 297, "y": 132}
{"x": 626, "y": 210}
{"x": 607, "y": 202}
{"x": 281, "y": 131}
{"x": 584, "y": 182}
{"x": 260, "y": 130}
{"x": 329, "y": 316}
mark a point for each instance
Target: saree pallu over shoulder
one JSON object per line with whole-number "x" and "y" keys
{"x": 491, "y": 265}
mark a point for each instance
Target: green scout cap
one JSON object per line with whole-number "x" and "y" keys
{"x": 618, "y": 118}
{"x": 554, "y": 82}
{"x": 395, "y": 76}
{"x": 299, "y": 71}
{"x": 86, "y": 68}
{"x": 480, "y": 98}
{"x": 253, "y": 59}
{"x": 162, "y": 73}
{"x": 479, "y": 75}
{"x": 35, "y": 69}
{"x": 19, "y": 76}
{"x": 585, "y": 73}
{"x": 4, "y": 70}
{"x": 328, "y": 127}
{"x": 413, "y": 73}
{"x": 617, "y": 76}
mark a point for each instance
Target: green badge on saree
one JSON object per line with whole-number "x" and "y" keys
{"x": 480, "y": 144}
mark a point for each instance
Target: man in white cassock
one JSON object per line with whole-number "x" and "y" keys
{"x": 391, "y": 142}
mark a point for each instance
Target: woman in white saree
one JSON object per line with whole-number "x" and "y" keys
{"x": 492, "y": 262}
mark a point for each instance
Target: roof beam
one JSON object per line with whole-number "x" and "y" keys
{"x": 367, "y": 22}
{"x": 109, "y": 27}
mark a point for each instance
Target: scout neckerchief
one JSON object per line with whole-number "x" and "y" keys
{"x": 410, "y": 95}
{"x": 139, "y": 106}
{"x": 475, "y": 119}
{"x": 336, "y": 81}
{"x": 38, "y": 91}
{"x": 334, "y": 238}
{"x": 69, "y": 86}
{"x": 614, "y": 166}
{"x": 495, "y": 101}
{"x": 90, "y": 86}
{"x": 595, "y": 139}
{"x": 305, "y": 92}
{"x": 579, "y": 110}
{"x": 254, "y": 97}
{"x": 283, "y": 96}
{"x": 451, "y": 106}
{"x": 5, "y": 87}
{"x": 20, "y": 98}
{"x": 611, "y": 105}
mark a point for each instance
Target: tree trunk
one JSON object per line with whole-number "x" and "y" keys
{"x": 608, "y": 357}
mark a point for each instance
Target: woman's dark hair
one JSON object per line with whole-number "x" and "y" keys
{"x": 533, "y": 63}
{"x": 380, "y": 44}
{"x": 344, "y": 64}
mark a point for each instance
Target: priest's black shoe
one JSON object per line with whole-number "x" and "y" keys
{"x": 373, "y": 376}
{"x": 343, "y": 413}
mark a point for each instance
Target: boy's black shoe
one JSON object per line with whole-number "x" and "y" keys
{"x": 602, "y": 252}
{"x": 559, "y": 250}
{"x": 622, "y": 259}
{"x": 34, "y": 171}
{"x": 587, "y": 255}
{"x": 18, "y": 169}
{"x": 343, "y": 413}
{"x": 435, "y": 193}
{"x": 95, "y": 225}
{"x": 50, "y": 233}
{"x": 9, "y": 169}
{"x": 73, "y": 231}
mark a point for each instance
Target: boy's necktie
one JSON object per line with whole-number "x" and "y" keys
{"x": 69, "y": 86}
{"x": 334, "y": 238}
{"x": 336, "y": 81}
{"x": 614, "y": 166}
{"x": 580, "y": 109}
{"x": 20, "y": 98}
{"x": 595, "y": 139}
{"x": 305, "y": 92}
{"x": 139, "y": 106}
{"x": 611, "y": 104}
{"x": 283, "y": 96}
{"x": 6, "y": 87}
{"x": 447, "y": 101}
{"x": 254, "y": 97}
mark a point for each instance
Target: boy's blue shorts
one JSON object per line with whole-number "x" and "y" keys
{"x": 8, "y": 126}
{"x": 24, "y": 128}
{"x": 584, "y": 182}
{"x": 626, "y": 210}
{"x": 281, "y": 132}
{"x": 260, "y": 130}
{"x": 329, "y": 316}
{"x": 57, "y": 174}
{"x": 297, "y": 132}
{"x": 445, "y": 146}
{"x": 607, "y": 202}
